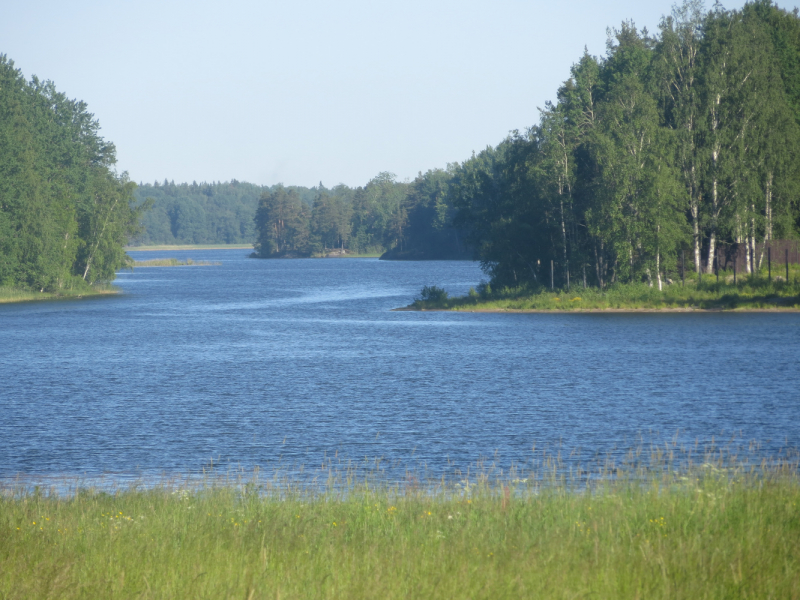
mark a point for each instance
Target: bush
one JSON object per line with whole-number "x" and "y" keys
{"x": 433, "y": 294}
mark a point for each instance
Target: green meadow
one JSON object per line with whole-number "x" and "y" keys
{"x": 717, "y": 527}
{"x": 757, "y": 292}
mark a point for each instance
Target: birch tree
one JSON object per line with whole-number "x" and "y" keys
{"x": 677, "y": 76}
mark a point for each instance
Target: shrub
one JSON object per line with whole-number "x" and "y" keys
{"x": 433, "y": 294}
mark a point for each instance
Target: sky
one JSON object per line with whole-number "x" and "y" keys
{"x": 308, "y": 91}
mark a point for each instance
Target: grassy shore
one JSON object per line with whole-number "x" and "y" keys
{"x": 714, "y": 530}
{"x": 747, "y": 293}
{"x": 174, "y": 262}
{"x": 12, "y": 294}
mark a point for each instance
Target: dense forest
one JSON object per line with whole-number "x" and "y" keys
{"x": 671, "y": 145}
{"x": 204, "y": 213}
{"x": 65, "y": 213}
{"x": 410, "y": 220}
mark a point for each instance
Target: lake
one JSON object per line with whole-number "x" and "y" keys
{"x": 287, "y": 362}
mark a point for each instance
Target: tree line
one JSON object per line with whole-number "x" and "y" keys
{"x": 201, "y": 213}
{"x": 402, "y": 220}
{"x": 670, "y": 145}
{"x": 65, "y": 214}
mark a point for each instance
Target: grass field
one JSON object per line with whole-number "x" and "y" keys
{"x": 717, "y": 529}
{"x": 747, "y": 293}
{"x": 12, "y": 294}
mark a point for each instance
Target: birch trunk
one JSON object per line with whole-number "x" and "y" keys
{"x": 99, "y": 237}
{"x": 695, "y": 209}
{"x": 768, "y": 201}
{"x": 768, "y": 217}
{"x": 658, "y": 271}
{"x": 712, "y": 248}
{"x": 753, "y": 239}
{"x": 658, "y": 260}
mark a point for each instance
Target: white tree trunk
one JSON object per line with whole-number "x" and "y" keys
{"x": 696, "y": 233}
{"x": 658, "y": 271}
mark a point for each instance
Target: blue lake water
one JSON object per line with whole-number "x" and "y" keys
{"x": 258, "y": 362}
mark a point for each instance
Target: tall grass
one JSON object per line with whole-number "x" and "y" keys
{"x": 662, "y": 527}
{"x": 10, "y": 294}
{"x": 709, "y": 293}
{"x": 173, "y": 262}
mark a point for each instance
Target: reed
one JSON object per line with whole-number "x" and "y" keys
{"x": 13, "y": 294}
{"x": 660, "y": 527}
{"x": 173, "y": 262}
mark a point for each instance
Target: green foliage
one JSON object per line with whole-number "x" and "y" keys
{"x": 205, "y": 213}
{"x": 683, "y": 141}
{"x": 429, "y": 232}
{"x": 433, "y": 294}
{"x": 65, "y": 215}
{"x": 411, "y": 221}
{"x": 282, "y": 221}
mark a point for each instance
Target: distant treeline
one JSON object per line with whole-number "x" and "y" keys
{"x": 65, "y": 214}
{"x": 201, "y": 213}
{"x": 410, "y": 220}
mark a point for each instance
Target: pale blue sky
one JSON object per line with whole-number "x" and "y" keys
{"x": 308, "y": 91}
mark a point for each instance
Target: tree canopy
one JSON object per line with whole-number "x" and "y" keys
{"x": 409, "y": 220}
{"x": 65, "y": 214}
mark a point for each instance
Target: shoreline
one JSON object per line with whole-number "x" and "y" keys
{"x": 777, "y": 309}
{"x": 183, "y": 247}
{"x": 26, "y": 296}
{"x": 166, "y": 248}
{"x": 756, "y": 294}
